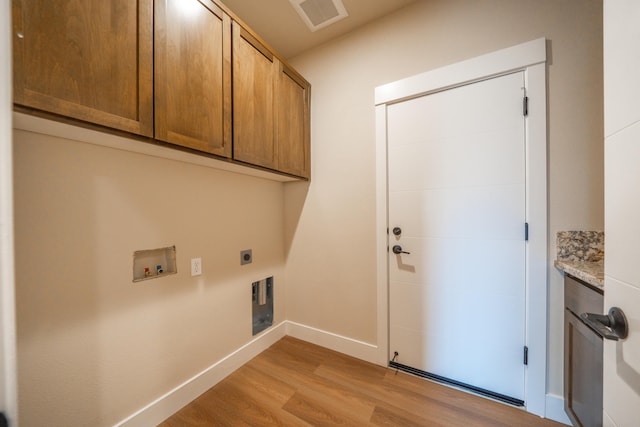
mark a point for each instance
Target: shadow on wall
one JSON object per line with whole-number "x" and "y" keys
{"x": 625, "y": 371}
{"x": 295, "y": 195}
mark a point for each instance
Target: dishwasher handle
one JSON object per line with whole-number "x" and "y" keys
{"x": 612, "y": 326}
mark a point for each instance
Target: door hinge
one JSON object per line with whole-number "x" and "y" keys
{"x": 526, "y": 231}
{"x": 526, "y": 355}
{"x": 525, "y": 106}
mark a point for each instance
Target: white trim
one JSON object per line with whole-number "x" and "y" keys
{"x": 503, "y": 61}
{"x": 63, "y": 130}
{"x": 8, "y": 375}
{"x": 165, "y": 406}
{"x": 354, "y": 348}
{"x": 382, "y": 260}
{"x": 528, "y": 57}
{"x": 168, "y": 404}
{"x": 555, "y": 409}
{"x": 537, "y": 247}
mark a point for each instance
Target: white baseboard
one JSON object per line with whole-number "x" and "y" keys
{"x": 165, "y": 406}
{"x": 339, "y": 343}
{"x": 555, "y": 409}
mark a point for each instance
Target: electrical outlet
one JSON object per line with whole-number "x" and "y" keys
{"x": 196, "y": 266}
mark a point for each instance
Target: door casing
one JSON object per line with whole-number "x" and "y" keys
{"x": 530, "y": 58}
{"x": 8, "y": 369}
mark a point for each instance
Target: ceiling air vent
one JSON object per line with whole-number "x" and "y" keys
{"x": 319, "y": 13}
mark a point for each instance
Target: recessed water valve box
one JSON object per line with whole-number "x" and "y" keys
{"x": 154, "y": 263}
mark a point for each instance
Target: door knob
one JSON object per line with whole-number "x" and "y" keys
{"x": 397, "y": 249}
{"x": 612, "y": 326}
{"x": 397, "y": 231}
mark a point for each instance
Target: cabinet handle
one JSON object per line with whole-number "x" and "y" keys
{"x": 612, "y": 326}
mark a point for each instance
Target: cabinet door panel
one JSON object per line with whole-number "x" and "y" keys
{"x": 193, "y": 75}
{"x": 253, "y": 117}
{"x": 583, "y": 373}
{"x": 86, "y": 59}
{"x": 293, "y": 124}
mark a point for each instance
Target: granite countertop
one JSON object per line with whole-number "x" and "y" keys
{"x": 581, "y": 254}
{"x": 590, "y": 272}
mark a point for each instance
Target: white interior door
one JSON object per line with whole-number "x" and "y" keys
{"x": 456, "y": 189}
{"x": 621, "y": 363}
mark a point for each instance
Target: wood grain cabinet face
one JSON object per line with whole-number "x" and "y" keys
{"x": 180, "y": 71}
{"x": 293, "y": 133}
{"x": 193, "y": 75}
{"x": 90, "y": 60}
{"x": 270, "y": 109}
{"x": 254, "y": 71}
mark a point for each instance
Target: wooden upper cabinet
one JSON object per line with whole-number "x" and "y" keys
{"x": 91, "y": 60}
{"x": 254, "y": 71}
{"x": 180, "y": 71}
{"x": 293, "y": 133}
{"x": 193, "y": 75}
{"x": 270, "y": 108}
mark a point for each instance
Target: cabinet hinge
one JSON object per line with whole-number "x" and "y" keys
{"x": 526, "y": 231}
{"x": 526, "y": 355}
{"x": 525, "y": 106}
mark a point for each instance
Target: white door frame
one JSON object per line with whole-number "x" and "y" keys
{"x": 8, "y": 380}
{"x": 530, "y": 58}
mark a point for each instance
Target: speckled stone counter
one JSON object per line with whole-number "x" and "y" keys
{"x": 581, "y": 254}
{"x": 589, "y": 272}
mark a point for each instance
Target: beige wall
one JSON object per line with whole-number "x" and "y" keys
{"x": 93, "y": 347}
{"x": 331, "y": 262}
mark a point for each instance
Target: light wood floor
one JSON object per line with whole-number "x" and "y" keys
{"x": 294, "y": 383}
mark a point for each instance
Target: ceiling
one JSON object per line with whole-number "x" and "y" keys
{"x": 277, "y": 22}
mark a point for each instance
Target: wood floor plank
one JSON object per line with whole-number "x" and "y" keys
{"x": 296, "y": 383}
{"x": 390, "y": 416}
{"x": 405, "y": 400}
{"x": 192, "y": 415}
{"x": 262, "y": 386}
{"x": 316, "y": 413}
{"x": 480, "y": 407}
{"x": 319, "y": 388}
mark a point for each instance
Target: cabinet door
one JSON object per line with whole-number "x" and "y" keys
{"x": 86, "y": 59}
{"x": 193, "y": 75}
{"x": 254, "y": 71}
{"x": 582, "y": 373}
{"x": 293, "y": 133}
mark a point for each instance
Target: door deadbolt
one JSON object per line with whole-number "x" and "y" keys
{"x": 397, "y": 231}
